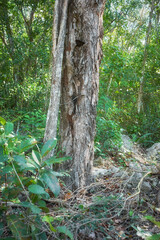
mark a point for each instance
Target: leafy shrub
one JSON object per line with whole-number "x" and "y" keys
{"x": 34, "y": 123}
{"x": 25, "y": 181}
{"x": 108, "y": 136}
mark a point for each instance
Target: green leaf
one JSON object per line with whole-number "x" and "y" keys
{"x": 3, "y": 158}
{"x": 8, "y": 128}
{"x": 35, "y": 209}
{"x": 42, "y": 203}
{"x": 48, "y": 146}
{"x": 28, "y": 167}
{"x": 54, "y": 160}
{"x": 36, "y": 189}
{"x": 154, "y": 237}
{"x": 36, "y": 157}
{"x": 153, "y": 220}
{"x": 81, "y": 206}
{"x": 131, "y": 213}
{"x": 49, "y": 219}
{"x": 66, "y": 231}
{"x": 20, "y": 159}
{"x": 51, "y": 181}
{"x": 27, "y": 144}
{"x": 2, "y": 121}
{"x": 33, "y": 163}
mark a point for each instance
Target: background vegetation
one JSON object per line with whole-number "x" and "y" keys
{"x": 25, "y": 46}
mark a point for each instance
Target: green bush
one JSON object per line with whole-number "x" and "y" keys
{"x": 25, "y": 180}
{"x": 108, "y": 134}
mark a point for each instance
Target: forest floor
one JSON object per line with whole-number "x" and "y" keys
{"x": 122, "y": 203}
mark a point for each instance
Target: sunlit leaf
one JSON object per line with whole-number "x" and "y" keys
{"x": 36, "y": 157}
{"x": 49, "y": 220}
{"x": 26, "y": 144}
{"x": 36, "y": 189}
{"x": 51, "y": 181}
{"x": 54, "y": 160}
{"x": 8, "y": 128}
{"x": 48, "y": 146}
{"x": 153, "y": 220}
{"x": 2, "y": 121}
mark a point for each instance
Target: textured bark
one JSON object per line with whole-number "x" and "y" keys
{"x": 80, "y": 83}
{"x": 59, "y": 30}
{"x": 140, "y": 93}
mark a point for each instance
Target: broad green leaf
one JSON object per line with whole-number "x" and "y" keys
{"x": 28, "y": 167}
{"x": 20, "y": 159}
{"x": 26, "y": 163}
{"x": 29, "y": 160}
{"x": 2, "y": 121}
{"x": 3, "y": 158}
{"x": 8, "y": 128}
{"x": 25, "y": 204}
{"x": 36, "y": 157}
{"x": 153, "y": 220}
{"x": 36, "y": 189}
{"x": 154, "y": 237}
{"x": 48, "y": 146}
{"x": 51, "y": 181}
{"x": 35, "y": 209}
{"x": 49, "y": 219}
{"x": 66, "y": 231}
{"x": 26, "y": 144}
{"x": 42, "y": 203}
{"x": 54, "y": 160}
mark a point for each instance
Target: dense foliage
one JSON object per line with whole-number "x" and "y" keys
{"x": 125, "y": 53}
{"x": 25, "y": 184}
{"x": 130, "y": 70}
{"x": 25, "y": 45}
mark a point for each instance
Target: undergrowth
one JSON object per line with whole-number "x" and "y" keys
{"x": 27, "y": 181}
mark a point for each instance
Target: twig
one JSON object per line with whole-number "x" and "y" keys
{"x": 139, "y": 187}
{"x": 21, "y": 182}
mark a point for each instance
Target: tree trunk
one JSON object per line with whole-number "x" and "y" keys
{"x": 140, "y": 93}
{"x": 80, "y": 83}
{"x": 59, "y": 30}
